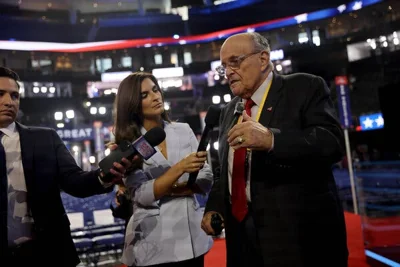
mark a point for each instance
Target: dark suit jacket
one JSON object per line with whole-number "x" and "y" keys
{"x": 48, "y": 168}
{"x": 295, "y": 204}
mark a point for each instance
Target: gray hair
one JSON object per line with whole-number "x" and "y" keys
{"x": 261, "y": 44}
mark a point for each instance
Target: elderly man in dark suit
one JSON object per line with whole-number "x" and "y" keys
{"x": 276, "y": 192}
{"x": 34, "y": 166}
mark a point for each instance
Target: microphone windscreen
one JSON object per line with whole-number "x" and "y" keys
{"x": 155, "y": 136}
{"x": 239, "y": 108}
{"x": 212, "y": 117}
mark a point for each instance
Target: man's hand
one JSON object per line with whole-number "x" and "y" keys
{"x": 250, "y": 134}
{"x": 119, "y": 169}
{"x": 206, "y": 222}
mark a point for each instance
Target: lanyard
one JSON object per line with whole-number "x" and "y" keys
{"x": 264, "y": 99}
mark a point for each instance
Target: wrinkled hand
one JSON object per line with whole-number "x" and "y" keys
{"x": 206, "y": 222}
{"x": 119, "y": 169}
{"x": 193, "y": 162}
{"x": 250, "y": 134}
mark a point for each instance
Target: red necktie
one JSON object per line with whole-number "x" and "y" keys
{"x": 239, "y": 200}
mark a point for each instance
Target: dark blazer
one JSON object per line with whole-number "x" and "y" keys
{"x": 48, "y": 168}
{"x": 295, "y": 204}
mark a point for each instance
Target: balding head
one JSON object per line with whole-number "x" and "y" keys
{"x": 255, "y": 39}
{"x": 247, "y": 61}
{"x": 243, "y": 38}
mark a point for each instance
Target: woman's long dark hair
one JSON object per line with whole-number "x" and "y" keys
{"x": 128, "y": 115}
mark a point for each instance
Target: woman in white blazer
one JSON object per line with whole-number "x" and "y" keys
{"x": 164, "y": 229}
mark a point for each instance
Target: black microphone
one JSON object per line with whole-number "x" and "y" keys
{"x": 216, "y": 224}
{"x": 143, "y": 146}
{"x": 211, "y": 120}
{"x": 239, "y": 108}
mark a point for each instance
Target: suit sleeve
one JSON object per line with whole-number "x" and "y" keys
{"x": 72, "y": 179}
{"x": 320, "y": 138}
{"x": 205, "y": 177}
{"x": 215, "y": 201}
{"x": 141, "y": 188}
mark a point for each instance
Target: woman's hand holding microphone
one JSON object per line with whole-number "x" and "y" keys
{"x": 191, "y": 163}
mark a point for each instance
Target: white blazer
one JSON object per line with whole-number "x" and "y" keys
{"x": 167, "y": 230}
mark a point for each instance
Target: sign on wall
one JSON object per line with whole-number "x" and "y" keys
{"x": 82, "y": 133}
{"x": 372, "y": 122}
{"x": 343, "y": 95}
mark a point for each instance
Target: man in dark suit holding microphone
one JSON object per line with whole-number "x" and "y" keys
{"x": 276, "y": 192}
{"x": 34, "y": 166}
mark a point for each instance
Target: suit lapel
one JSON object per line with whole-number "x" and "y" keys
{"x": 272, "y": 100}
{"x": 158, "y": 158}
{"x": 27, "y": 143}
{"x": 173, "y": 141}
{"x": 228, "y": 120}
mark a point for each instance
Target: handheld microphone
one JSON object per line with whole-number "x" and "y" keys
{"x": 143, "y": 146}
{"x": 211, "y": 120}
{"x": 216, "y": 224}
{"x": 239, "y": 108}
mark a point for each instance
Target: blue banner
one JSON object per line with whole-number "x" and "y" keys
{"x": 343, "y": 97}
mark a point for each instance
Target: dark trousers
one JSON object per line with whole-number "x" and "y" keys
{"x": 243, "y": 247}
{"x": 195, "y": 262}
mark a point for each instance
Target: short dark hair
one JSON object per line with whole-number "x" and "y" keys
{"x": 8, "y": 73}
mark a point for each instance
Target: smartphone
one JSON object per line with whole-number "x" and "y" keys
{"x": 124, "y": 150}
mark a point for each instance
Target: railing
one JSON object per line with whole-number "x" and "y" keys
{"x": 378, "y": 198}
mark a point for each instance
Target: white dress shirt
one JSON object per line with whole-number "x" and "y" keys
{"x": 257, "y": 97}
{"x": 19, "y": 218}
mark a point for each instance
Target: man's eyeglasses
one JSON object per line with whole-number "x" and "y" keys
{"x": 234, "y": 64}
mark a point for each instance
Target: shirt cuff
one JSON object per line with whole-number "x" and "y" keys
{"x": 272, "y": 141}
{"x": 105, "y": 185}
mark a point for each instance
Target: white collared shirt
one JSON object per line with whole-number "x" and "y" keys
{"x": 19, "y": 219}
{"x": 9, "y": 130}
{"x": 257, "y": 97}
